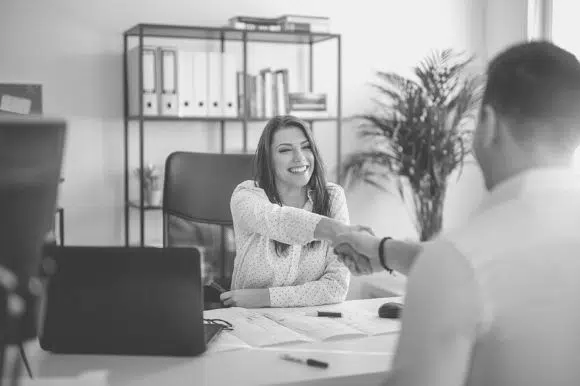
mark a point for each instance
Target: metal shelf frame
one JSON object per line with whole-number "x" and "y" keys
{"x": 225, "y": 34}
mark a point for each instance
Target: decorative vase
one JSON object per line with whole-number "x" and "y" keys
{"x": 152, "y": 197}
{"x": 156, "y": 197}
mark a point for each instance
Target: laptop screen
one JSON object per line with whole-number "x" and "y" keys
{"x": 124, "y": 301}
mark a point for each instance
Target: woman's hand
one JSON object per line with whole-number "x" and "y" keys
{"x": 329, "y": 229}
{"x": 360, "y": 228}
{"x": 247, "y": 298}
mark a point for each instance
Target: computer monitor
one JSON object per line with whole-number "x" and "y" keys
{"x": 31, "y": 154}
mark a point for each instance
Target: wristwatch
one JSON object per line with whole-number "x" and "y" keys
{"x": 381, "y": 255}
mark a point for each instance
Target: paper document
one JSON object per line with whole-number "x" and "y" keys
{"x": 318, "y": 329}
{"x": 254, "y": 328}
{"x": 275, "y": 326}
{"x": 226, "y": 341}
{"x": 371, "y": 324}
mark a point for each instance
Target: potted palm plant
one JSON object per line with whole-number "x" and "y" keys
{"x": 152, "y": 184}
{"x": 418, "y": 134}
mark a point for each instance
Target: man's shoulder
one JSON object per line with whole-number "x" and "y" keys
{"x": 489, "y": 234}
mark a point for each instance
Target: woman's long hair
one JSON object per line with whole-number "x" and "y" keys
{"x": 265, "y": 174}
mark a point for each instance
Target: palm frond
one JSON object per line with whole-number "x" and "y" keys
{"x": 418, "y": 134}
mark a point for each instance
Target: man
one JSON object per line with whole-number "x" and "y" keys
{"x": 496, "y": 302}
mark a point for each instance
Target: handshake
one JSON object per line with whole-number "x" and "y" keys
{"x": 357, "y": 248}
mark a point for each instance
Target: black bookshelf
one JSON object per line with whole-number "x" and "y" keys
{"x": 227, "y": 33}
{"x": 136, "y": 205}
{"x": 218, "y": 119}
{"x": 223, "y": 35}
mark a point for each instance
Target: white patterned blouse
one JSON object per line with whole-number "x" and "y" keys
{"x": 301, "y": 276}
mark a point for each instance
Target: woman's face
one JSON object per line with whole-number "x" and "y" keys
{"x": 292, "y": 157}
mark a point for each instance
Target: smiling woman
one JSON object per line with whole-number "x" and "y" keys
{"x": 284, "y": 223}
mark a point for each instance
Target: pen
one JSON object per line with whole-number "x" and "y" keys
{"x": 308, "y": 362}
{"x": 330, "y": 314}
{"x": 218, "y": 287}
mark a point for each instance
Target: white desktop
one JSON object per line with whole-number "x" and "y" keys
{"x": 358, "y": 348}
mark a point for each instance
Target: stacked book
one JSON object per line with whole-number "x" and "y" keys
{"x": 307, "y": 104}
{"x": 317, "y": 24}
{"x": 268, "y": 95}
{"x": 255, "y": 23}
{"x": 301, "y": 23}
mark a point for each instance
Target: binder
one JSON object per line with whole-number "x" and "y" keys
{"x": 268, "y": 97}
{"x": 200, "y": 84}
{"x": 150, "y": 78}
{"x": 252, "y": 84}
{"x": 169, "y": 102}
{"x": 185, "y": 80}
{"x": 241, "y": 93}
{"x": 228, "y": 81}
{"x": 282, "y": 91}
{"x": 214, "y": 95}
{"x": 259, "y": 96}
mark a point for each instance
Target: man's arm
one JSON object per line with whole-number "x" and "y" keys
{"x": 397, "y": 254}
{"x": 401, "y": 255}
{"x": 440, "y": 320}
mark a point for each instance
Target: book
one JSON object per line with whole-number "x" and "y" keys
{"x": 255, "y": 23}
{"x": 306, "y": 23}
{"x": 272, "y": 327}
{"x": 306, "y": 101}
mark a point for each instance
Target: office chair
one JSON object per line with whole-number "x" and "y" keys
{"x": 196, "y": 210}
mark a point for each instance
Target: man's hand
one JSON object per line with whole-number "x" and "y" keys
{"x": 359, "y": 252}
{"x": 247, "y": 298}
{"x": 357, "y": 264}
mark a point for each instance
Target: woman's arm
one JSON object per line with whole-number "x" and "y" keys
{"x": 332, "y": 286}
{"x": 253, "y": 212}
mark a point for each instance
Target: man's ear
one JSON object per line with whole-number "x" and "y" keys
{"x": 490, "y": 122}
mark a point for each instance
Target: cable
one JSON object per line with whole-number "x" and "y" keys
{"x": 25, "y": 360}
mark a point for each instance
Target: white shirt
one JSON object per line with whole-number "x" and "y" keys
{"x": 301, "y": 276}
{"x": 498, "y": 301}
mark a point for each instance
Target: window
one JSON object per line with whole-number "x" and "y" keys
{"x": 565, "y": 30}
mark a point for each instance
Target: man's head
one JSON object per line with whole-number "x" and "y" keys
{"x": 530, "y": 113}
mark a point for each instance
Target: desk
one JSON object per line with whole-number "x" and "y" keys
{"x": 352, "y": 361}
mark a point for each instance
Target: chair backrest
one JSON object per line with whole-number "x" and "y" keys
{"x": 196, "y": 205}
{"x": 31, "y": 158}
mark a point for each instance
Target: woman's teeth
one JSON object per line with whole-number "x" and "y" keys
{"x": 299, "y": 169}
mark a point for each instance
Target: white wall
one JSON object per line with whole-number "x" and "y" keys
{"x": 506, "y": 23}
{"x": 74, "y": 47}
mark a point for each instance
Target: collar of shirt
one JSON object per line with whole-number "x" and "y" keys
{"x": 309, "y": 205}
{"x": 531, "y": 181}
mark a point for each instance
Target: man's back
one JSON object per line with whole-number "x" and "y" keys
{"x": 524, "y": 247}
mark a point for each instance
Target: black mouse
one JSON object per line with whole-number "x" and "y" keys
{"x": 390, "y": 310}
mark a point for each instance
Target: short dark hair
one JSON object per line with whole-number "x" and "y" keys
{"x": 265, "y": 175}
{"x": 536, "y": 86}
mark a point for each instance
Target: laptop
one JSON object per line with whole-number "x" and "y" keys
{"x": 124, "y": 301}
